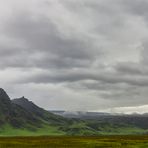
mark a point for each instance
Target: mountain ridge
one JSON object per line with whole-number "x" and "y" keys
{"x": 22, "y": 113}
{"x": 38, "y": 111}
{"x": 22, "y": 117}
{"x": 13, "y": 114}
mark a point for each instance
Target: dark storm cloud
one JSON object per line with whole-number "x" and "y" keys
{"x": 130, "y": 68}
{"x": 72, "y": 76}
{"x": 138, "y": 7}
{"x": 53, "y": 48}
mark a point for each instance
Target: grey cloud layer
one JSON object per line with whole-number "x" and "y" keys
{"x": 87, "y": 49}
{"x": 46, "y": 46}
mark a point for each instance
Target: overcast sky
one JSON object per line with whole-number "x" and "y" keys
{"x": 76, "y": 54}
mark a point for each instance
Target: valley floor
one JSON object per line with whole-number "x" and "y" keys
{"x": 75, "y": 142}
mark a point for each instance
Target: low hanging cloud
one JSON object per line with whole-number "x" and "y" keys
{"x": 79, "y": 55}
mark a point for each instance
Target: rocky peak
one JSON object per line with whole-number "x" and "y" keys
{"x": 4, "y": 97}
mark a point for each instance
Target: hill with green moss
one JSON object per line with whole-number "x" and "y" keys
{"x": 21, "y": 117}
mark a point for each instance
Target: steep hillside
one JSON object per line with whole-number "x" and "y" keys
{"x": 13, "y": 114}
{"x": 40, "y": 113}
{"x": 21, "y": 117}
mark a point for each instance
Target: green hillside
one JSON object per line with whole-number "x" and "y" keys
{"x": 21, "y": 117}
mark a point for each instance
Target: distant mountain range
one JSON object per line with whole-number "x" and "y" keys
{"x": 93, "y": 115}
{"x": 21, "y": 117}
{"x": 80, "y": 114}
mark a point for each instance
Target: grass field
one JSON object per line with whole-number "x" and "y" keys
{"x": 75, "y": 142}
{"x": 7, "y": 131}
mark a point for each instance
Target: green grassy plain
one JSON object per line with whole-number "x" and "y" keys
{"x": 7, "y": 131}
{"x": 75, "y": 142}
